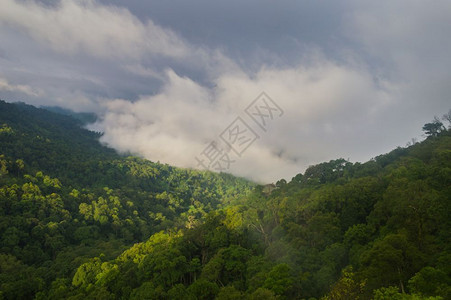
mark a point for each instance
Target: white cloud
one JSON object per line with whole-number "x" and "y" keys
{"x": 21, "y": 88}
{"x": 166, "y": 98}
{"x": 165, "y": 127}
{"x": 325, "y": 104}
{"x": 84, "y": 26}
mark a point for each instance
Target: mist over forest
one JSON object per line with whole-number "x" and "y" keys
{"x": 225, "y": 150}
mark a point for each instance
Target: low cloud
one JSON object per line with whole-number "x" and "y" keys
{"x": 320, "y": 103}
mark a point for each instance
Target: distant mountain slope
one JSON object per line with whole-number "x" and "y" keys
{"x": 51, "y": 142}
{"x": 58, "y": 145}
{"x": 83, "y": 117}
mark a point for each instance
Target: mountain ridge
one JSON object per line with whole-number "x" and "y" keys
{"x": 77, "y": 220}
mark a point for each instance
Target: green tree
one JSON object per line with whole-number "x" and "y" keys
{"x": 229, "y": 293}
{"x": 203, "y": 289}
{"x": 391, "y": 261}
{"x": 279, "y": 279}
{"x": 430, "y": 281}
{"x": 262, "y": 294}
{"x": 347, "y": 287}
{"x": 433, "y": 128}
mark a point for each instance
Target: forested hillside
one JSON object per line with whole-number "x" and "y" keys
{"x": 65, "y": 198}
{"x": 78, "y": 221}
{"x": 378, "y": 230}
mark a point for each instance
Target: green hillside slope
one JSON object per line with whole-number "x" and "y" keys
{"x": 78, "y": 221}
{"x": 64, "y": 197}
{"x": 378, "y": 230}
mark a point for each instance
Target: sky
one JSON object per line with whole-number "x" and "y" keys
{"x": 179, "y": 81}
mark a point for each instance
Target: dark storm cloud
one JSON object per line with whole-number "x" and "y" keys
{"x": 354, "y": 78}
{"x": 251, "y": 30}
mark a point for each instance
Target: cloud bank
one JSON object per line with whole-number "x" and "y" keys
{"x": 103, "y": 31}
{"x": 353, "y": 85}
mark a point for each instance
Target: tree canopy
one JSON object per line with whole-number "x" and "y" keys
{"x": 79, "y": 221}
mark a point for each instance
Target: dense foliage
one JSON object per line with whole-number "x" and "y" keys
{"x": 65, "y": 198}
{"x": 141, "y": 230}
